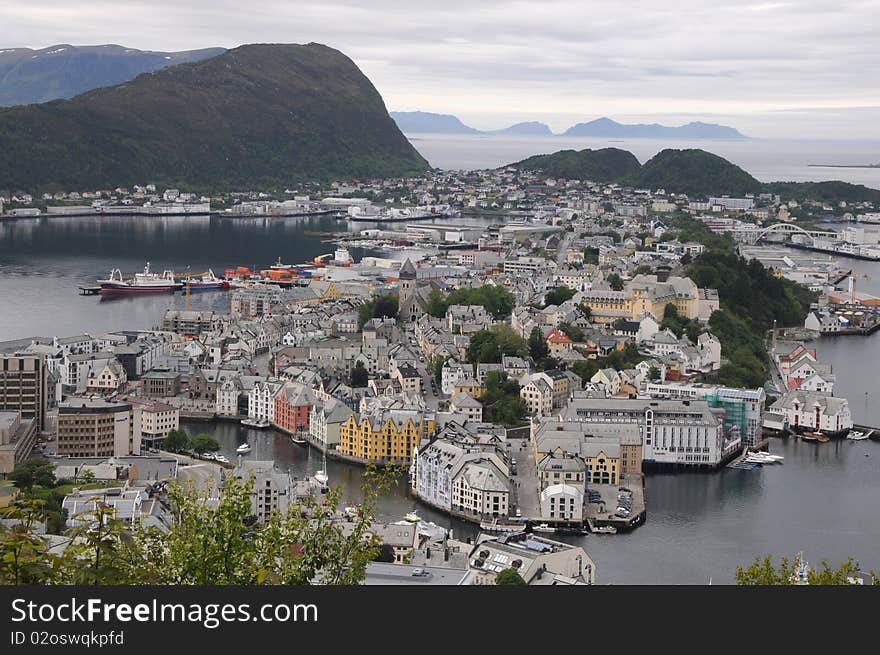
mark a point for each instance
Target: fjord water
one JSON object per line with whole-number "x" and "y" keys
{"x": 823, "y": 500}
{"x": 768, "y": 160}
{"x": 700, "y": 526}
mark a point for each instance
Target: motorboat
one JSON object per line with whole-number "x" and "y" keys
{"x": 543, "y": 527}
{"x": 243, "y": 449}
{"x": 412, "y": 517}
{"x": 221, "y": 458}
{"x": 857, "y": 435}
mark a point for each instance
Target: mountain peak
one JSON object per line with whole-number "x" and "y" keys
{"x": 258, "y": 114}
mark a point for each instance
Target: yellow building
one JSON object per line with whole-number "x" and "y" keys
{"x": 386, "y": 435}
{"x": 471, "y": 386}
{"x": 644, "y": 293}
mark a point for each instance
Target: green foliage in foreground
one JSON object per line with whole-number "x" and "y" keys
{"x": 762, "y": 572}
{"x": 206, "y": 544}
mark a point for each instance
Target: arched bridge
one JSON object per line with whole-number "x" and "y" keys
{"x": 755, "y": 234}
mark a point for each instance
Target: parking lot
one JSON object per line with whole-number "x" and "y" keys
{"x": 605, "y": 510}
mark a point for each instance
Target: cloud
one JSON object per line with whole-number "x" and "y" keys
{"x": 533, "y": 59}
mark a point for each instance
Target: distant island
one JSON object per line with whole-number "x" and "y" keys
{"x": 693, "y": 172}
{"x": 844, "y": 165}
{"x": 429, "y": 123}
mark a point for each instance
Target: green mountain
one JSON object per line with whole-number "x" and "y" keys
{"x": 257, "y": 115}
{"x": 64, "y": 71}
{"x": 605, "y": 165}
{"x": 694, "y": 172}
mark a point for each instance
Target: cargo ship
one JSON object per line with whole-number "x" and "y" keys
{"x": 146, "y": 282}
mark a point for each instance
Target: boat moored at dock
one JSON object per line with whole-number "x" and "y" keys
{"x": 146, "y": 282}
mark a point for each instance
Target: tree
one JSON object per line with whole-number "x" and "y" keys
{"x": 437, "y": 305}
{"x": 762, "y": 572}
{"x": 537, "y": 346}
{"x": 359, "y": 376}
{"x": 176, "y": 441}
{"x": 380, "y": 307}
{"x": 653, "y": 374}
{"x": 437, "y": 368}
{"x": 642, "y": 269}
{"x": 216, "y": 543}
{"x": 496, "y": 300}
{"x": 573, "y": 332}
{"x": 616, "y": 282}
{"x": 558, "y": 295}
{"x": 33, "y": 471}
{"x": 509, "y": 577}
{"x": 385, "y": 554}
{"x": 490, "y": 345}
{"x": 203, "y": 443}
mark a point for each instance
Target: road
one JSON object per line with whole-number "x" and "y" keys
{"x": 563, "y": 248}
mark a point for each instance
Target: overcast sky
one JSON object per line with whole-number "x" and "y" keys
{"x": 790, "y": 69}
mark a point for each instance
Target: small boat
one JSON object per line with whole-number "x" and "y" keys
{"x": 605, "y": 529}
{"x": 543, "y": 527}
{"x": 814, "y": 437}
{"x": 321, "y": 476}
{"x": 298, "y": 439}
{"x": 253, "y": 423}
{"x": 243, "y": 449}
{"x": 412, "y": 517}
{"x": 856, "y": 435}
{"x": 495, "y": 526}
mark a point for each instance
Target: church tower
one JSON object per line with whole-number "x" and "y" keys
{"x": 408, "y": 309}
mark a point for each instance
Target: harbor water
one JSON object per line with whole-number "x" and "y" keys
{"x": 822, "y": 500}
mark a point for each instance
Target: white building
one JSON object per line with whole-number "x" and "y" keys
{"x": 562, "y": 502}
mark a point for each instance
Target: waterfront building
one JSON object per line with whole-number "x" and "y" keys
{"x": 743, "y": 408}
{"x": 96, "y": 428}
{"x": 538, "y": 560}
{"x": 562, "y": 502}
{"x": 687, "y": 432}
{"x": 24, "y": 387}
{"x": 386, "y": 435}
{"x": 481, "y": 489}
{"x": 261, "y": 400}
{"x": 292, "y": 407}
{"x": 807, "y": 410}
{"x": 325, "y": 422}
